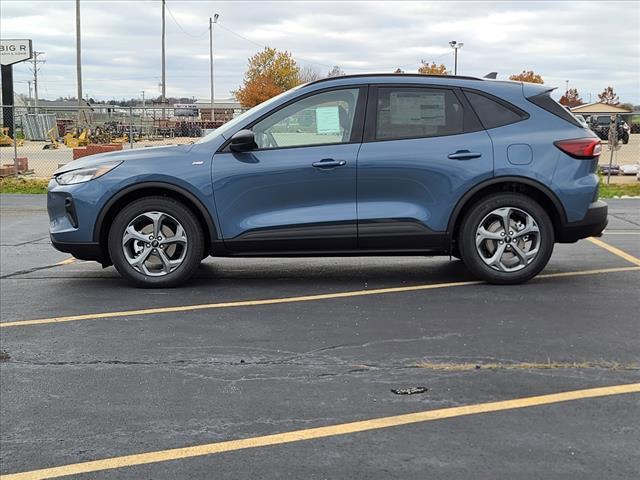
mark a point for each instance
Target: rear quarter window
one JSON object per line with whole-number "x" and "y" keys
{"x": 494, "y": 112}
{"x": 547, "y": 103}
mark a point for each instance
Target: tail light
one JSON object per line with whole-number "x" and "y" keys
{"x": 583, "y": 148}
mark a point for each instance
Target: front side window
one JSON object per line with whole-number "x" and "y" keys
{"x": 324, "y": 118}
{"x": 414, "y": 112}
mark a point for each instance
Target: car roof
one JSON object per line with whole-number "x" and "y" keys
{"x": 388, "y": 76}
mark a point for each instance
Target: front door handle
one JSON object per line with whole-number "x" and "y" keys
{"x": 329, "y": 163}
{"x": 464, "y": 155}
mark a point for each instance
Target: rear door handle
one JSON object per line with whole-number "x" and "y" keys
{"x": 464, "y": 155}
{"x": 329, "y": 163}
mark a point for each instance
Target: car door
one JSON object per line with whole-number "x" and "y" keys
{"x": 423, "y": 149}
{"x": 295, "y": 192}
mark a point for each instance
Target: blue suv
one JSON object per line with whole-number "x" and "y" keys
{"x": 491, "y": 172}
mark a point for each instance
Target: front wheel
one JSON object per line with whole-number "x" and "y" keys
{"x": 156, "y": 242}
{"x": 506, "y": 238}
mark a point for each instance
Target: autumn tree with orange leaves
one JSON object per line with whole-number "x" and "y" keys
{"x": 432, "y": 69}
{"x": 270, "y": 73}
{"x": 571, "y": 98}
{"x": 527, "y": 76}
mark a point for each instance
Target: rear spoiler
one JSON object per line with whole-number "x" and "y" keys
{"x": 533, "y": 89}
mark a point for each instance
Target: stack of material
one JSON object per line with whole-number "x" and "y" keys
{"x": 36, "y": 125}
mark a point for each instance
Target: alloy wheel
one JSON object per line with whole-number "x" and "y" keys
{"x": 508, "y": 239}
{"x": 154, "y": 243}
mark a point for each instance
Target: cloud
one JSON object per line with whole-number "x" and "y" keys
{"x": 121, "y": 41}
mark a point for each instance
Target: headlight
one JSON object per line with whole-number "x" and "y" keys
{"x": 82, "y": 175}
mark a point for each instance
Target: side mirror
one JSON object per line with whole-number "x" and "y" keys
{"x": 243, "y": 141}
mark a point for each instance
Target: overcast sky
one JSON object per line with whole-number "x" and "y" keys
{"x": 591, "y": 44}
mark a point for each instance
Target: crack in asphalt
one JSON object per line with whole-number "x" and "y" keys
{"x": 29, "y": 270}
{"x": 364, "y": 367}
{"x": 26, "y": 242}
{"x": 624, "y": 219}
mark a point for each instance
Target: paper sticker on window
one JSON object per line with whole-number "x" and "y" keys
{"x": 412, "y": 108}
{"x": 328, "y": 120}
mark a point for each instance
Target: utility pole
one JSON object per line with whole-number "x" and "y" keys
{"x": 35, "y": 69}
{"x": 144, "y": 111}
{"x": 455, "y": 45}
{"x": 78, "y": 55}
{"x": 566, "y": 90}
{"x": 29, "y": 83}
{"x": 163, "y": 96}
{"x": 211, "y": 23}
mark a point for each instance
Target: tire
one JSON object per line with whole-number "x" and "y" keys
{"x": 168, "y": 261}
{"x": 525, "y": 215}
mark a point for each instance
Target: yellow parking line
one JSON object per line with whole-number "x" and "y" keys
{"x": 320, "y": 432}
{"x": 273, "y": 301}
{"x": 68, "y": 261}
{"x": 615, "y": 251}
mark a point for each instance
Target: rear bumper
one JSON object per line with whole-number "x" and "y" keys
{"x": 592, "y": 225}
{"x": 81, "y": 251}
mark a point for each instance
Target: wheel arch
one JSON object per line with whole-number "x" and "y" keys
{"x": 134, "y": 192}
{"x": 527, "y": 186}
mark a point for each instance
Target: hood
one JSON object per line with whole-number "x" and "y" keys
{"x": 125, "y": 155}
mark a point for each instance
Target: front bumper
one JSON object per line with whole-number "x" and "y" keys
{"x": 81, "y": 251}
{"x": 592, "y": 225}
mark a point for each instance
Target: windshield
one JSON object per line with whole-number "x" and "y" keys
{"x": 231, "y": 124}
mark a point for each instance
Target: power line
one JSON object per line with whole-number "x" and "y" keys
{"x": 180, "y": 26}
{"x": 264, "y": 46}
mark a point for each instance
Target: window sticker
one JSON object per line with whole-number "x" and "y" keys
{"x": 328, "y": 120}
{"x": 413, "y": 108}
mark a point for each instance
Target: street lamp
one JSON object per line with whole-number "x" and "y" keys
{"x": 455, "y": 45}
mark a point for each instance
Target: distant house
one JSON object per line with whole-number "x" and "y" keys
{"x": 598, "y": 108}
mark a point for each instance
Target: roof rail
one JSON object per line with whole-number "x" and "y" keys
{"x": 414, "y": 75}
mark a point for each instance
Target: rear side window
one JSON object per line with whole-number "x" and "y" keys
{"x": 545, "y": 101}
{"x": 414, "y": 112}
{"x": 492, "y": 112}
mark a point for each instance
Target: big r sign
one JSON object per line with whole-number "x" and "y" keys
{"x": 11, "y": 51}
{"x": 14, "y": 51}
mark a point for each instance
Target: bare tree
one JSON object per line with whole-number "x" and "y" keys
{"x": 336, "y": 71}
{"x": 308, "y": 74}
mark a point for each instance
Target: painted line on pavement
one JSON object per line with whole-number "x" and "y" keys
{"x": 68, "y": 261}
{"x": 319, "y": 432}
{"x": 616, "y": 251}
{"x": 273, "y": 301}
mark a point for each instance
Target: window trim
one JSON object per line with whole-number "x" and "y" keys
{"x": 524, "y": 115}
{"x": 370, "y": 128}
{"x": 356, "y": 130}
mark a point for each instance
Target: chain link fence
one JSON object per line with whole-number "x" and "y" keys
{"x": 42, "y": 141}
{"x": 39, "y": 142}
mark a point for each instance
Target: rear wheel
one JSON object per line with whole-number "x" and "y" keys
{"x": 506, "y": 238}
{"x": 156, "y": 242}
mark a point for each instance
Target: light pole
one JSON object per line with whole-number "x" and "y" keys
{"x": 163, "y": 93}
{"x": 566, "y": 90}
{"x": 212, "y": 22}
{"x": 455, "y": 45}
{"x": 78, "y": 55}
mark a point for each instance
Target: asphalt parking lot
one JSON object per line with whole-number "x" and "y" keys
{"x": 262, "y": 366}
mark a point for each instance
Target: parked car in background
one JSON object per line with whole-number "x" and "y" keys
{"x": 492, "y": 172}
{"x": 600, "y": 126}
{"x": 615, "y": 169}
{"x": 582, "y": 120}
{"x": 629, "y": 169}
{"x": 578, "y": 117}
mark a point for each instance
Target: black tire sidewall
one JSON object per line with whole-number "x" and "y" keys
{"x": 195, "y": 237}
{"x": 467, "y": 236}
